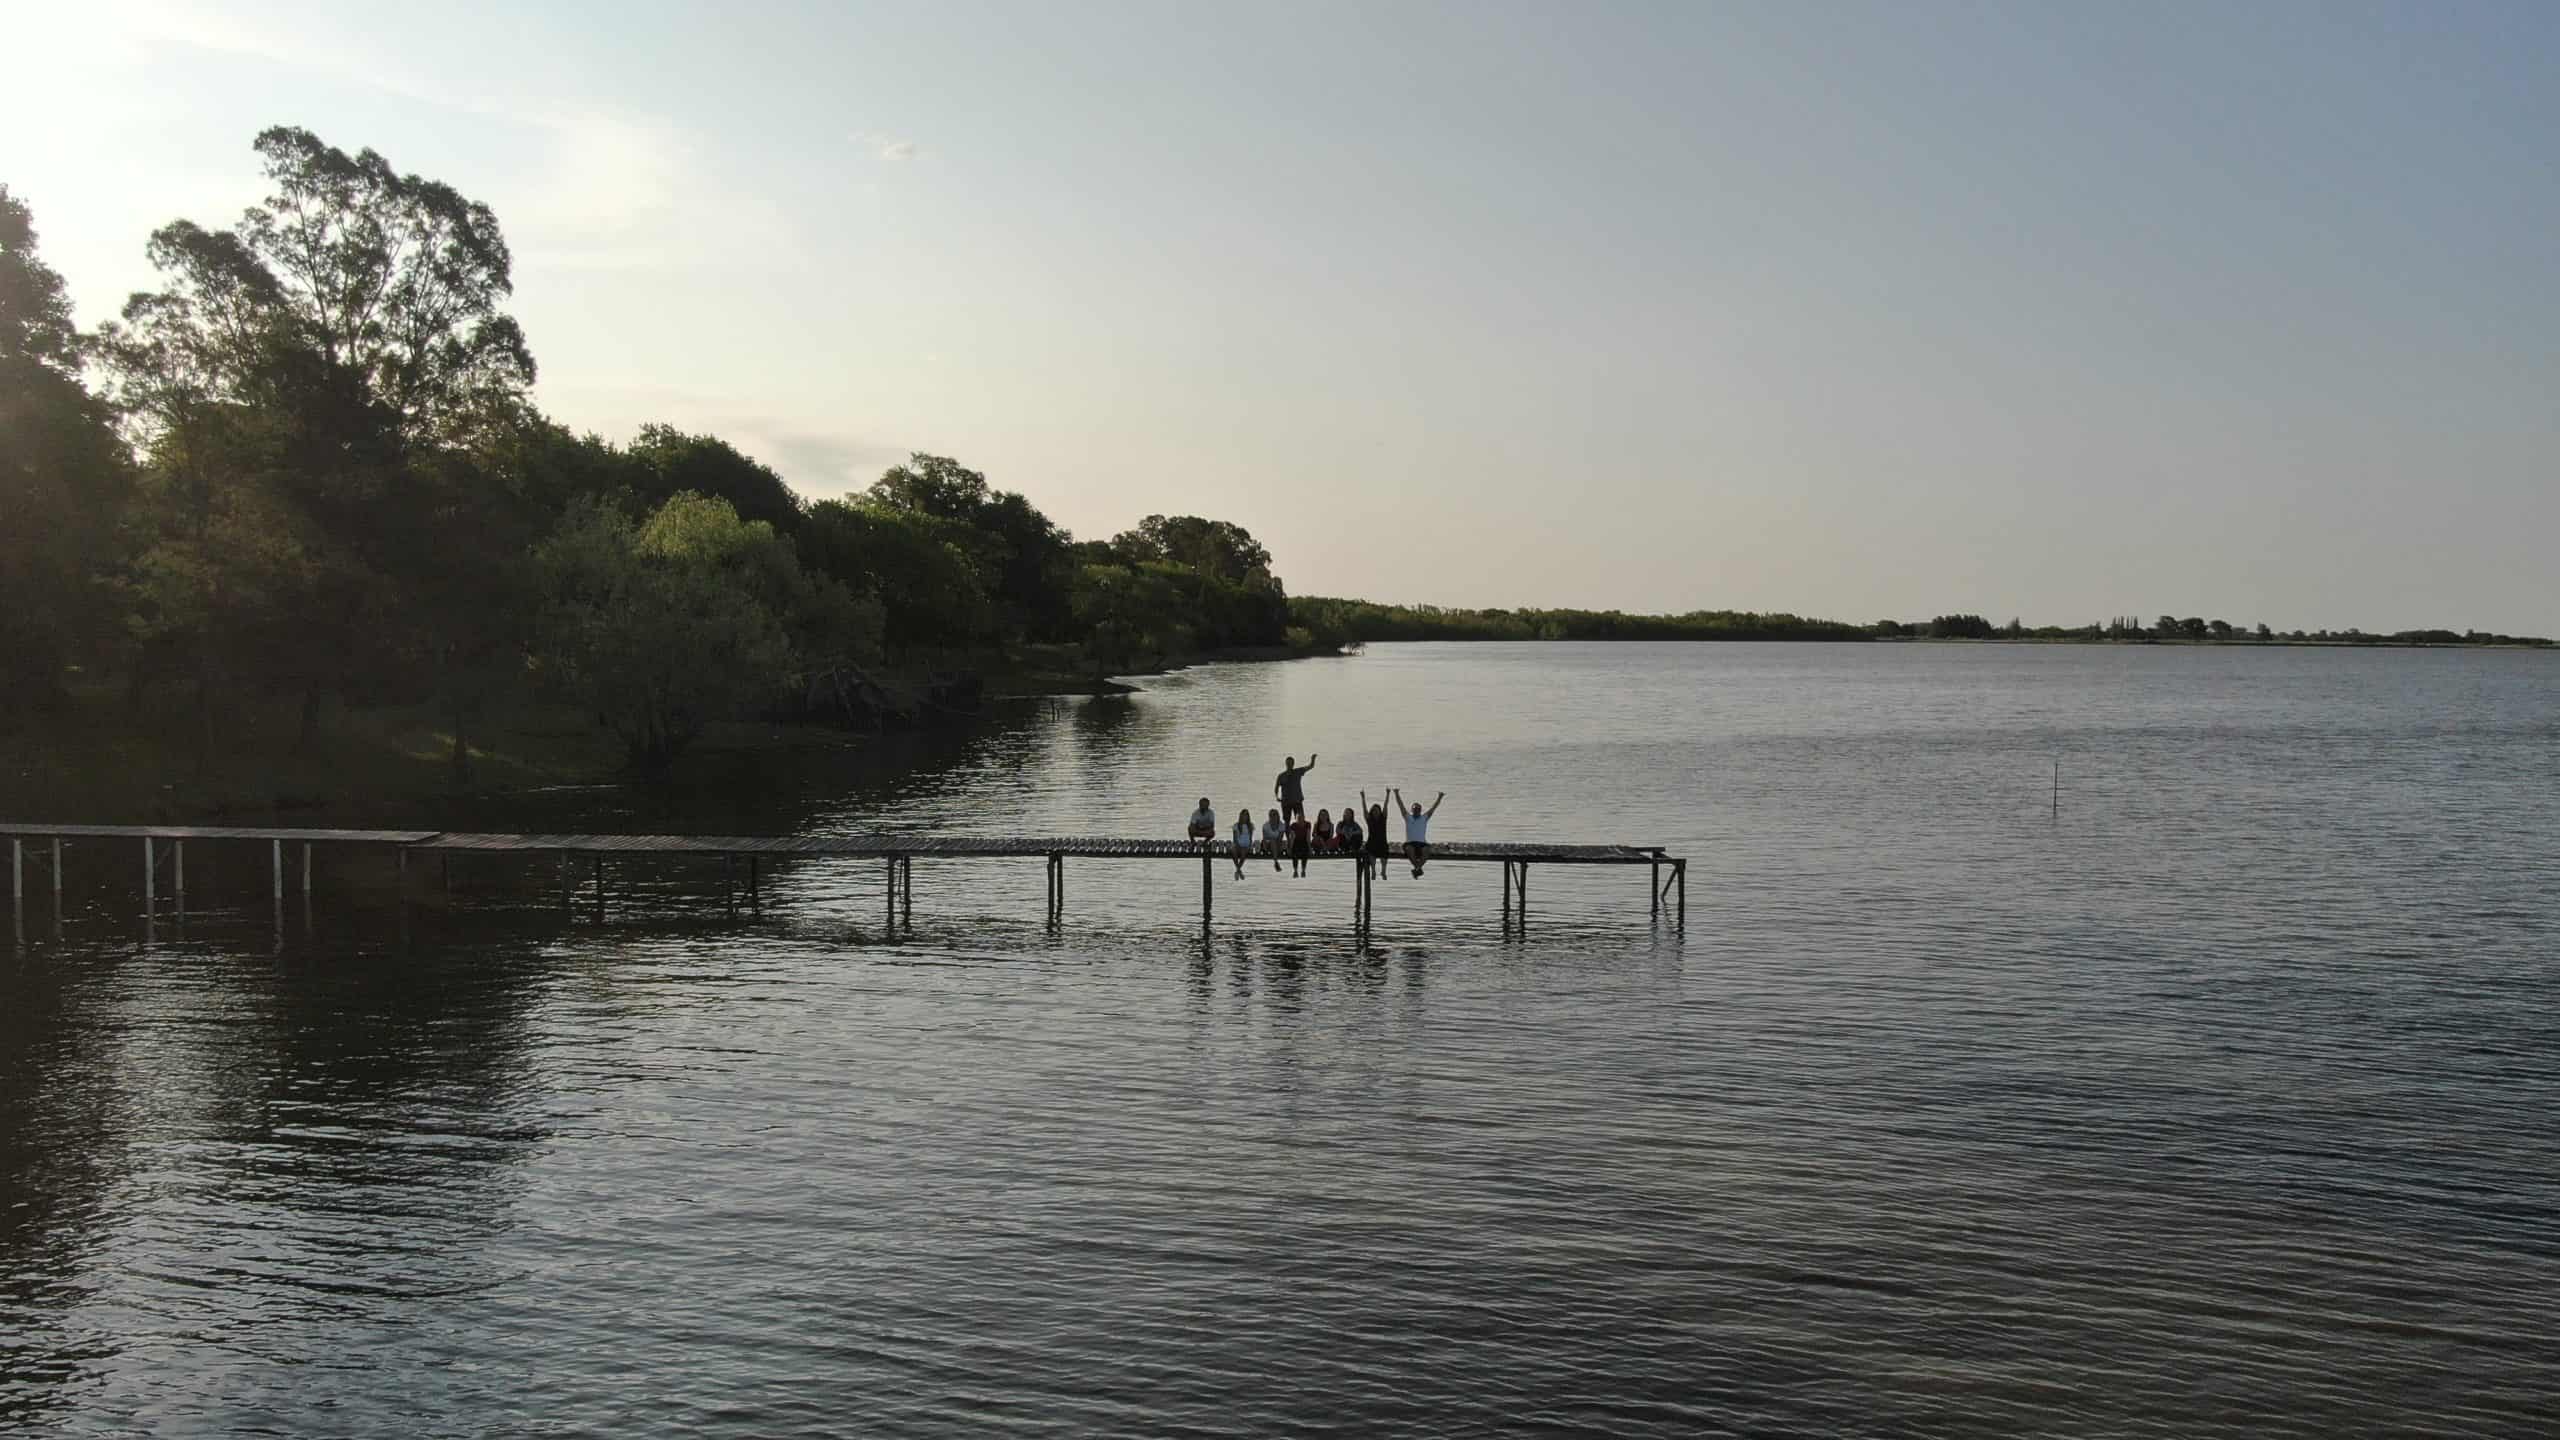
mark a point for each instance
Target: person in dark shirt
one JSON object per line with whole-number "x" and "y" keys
{"x": 1291, "y": 787}
{"x": 1298, "y": 832}
{"x": 1373, "y": 853}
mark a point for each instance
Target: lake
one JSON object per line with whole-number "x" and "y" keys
{"x": 2211, "y": 1092}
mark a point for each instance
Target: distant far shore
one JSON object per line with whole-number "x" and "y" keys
{"x": 1329, "y": 621}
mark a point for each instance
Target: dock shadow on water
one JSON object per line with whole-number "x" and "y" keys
{"x": 2219, "y": 1108}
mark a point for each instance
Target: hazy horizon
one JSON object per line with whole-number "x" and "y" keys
{"x": 1853, "y": 311}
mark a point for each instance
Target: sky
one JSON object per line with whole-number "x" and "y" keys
{"x": 2248, "y": 311}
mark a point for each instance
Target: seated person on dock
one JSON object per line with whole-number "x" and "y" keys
{"x": 1324, "y": 830}
{"x": 1243, "y": 838}
{"x": 1346, "y": 834}
{"x": 1274, "y": 836}
{"x": 1417, "y": 827}
{"x": 1204, "y": 822}
{"x": 1290, "y": 786}
{"x": 1298, "y": 829}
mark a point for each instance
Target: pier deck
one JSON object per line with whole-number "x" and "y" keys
{"x": 1669, "y": 873}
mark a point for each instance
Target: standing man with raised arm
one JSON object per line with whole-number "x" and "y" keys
{"x": 1417, "y": 827}
{"x": 1291, "y": 787}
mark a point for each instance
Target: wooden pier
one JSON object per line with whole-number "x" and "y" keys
{"x": 163, "y": 849}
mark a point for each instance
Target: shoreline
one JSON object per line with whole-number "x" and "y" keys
{"x": 99, "y": 760}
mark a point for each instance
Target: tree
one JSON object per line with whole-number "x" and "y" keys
{"x": 399, "y": 278}
{"x": 2221, "y": 629}
{"x": 649, "y": 627}
{"x": 1130, "y": 612}
{"x": 1020, "y": 556}
{"x": 63, "y": 478}
{"x": 357, "y": 312}
{"x": 2192, "y": 627}
{"x": 670, "y": 462}
{"x": 918, "y": 567}
{"x": 1213, "y": 548}
{"x": 935, "y": 485}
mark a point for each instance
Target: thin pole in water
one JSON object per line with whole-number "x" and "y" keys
{"x": 275, "y": 853}
{"x": 57, "y": 882}
{"x": 2057, "y": 789}
{"x": 150, "y": 877}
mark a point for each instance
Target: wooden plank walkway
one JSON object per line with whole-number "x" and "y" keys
{"x": 899, "y": 850}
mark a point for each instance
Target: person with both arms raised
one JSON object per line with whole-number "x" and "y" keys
{"x": 1291, "y": 787}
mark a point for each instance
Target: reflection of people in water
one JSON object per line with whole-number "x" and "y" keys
{"x": 1243, "y": 839}
{"x": 1204, "y": 822}
{"x": 1417, "y": 827}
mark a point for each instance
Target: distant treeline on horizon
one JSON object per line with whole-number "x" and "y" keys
{"x": 1335, "y": 621}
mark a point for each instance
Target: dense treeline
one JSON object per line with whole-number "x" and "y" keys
{"x": 1333, "y": 622}
{"x": 308, "y": 466}
{"x": 2191, "y": 630}
{"x": 1337, "y": 622}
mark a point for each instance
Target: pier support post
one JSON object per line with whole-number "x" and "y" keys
{"x": 150, "y": 877}
{"x": 1208, "y": 888}
{"x": 893, "y": 895}
{"x": 306, "y": 871}
{"x": 57, "y": 883}
{"x": 275, "y": 855}
{"x": 404, "y": 872}
{"x": 1680, "y": 874}
{"x": 178, "y": 872}
{"x": 907, "y": 892}
{"x": 17, "y": 876}
{"x": 1657, "y": 882}
{"x": 755, "y": 900}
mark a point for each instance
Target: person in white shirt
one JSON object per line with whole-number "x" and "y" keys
{"x": 1417, "y": 826}
{"x": 1204, "y": 822}
{"x": 1275, "y": 838}
{"x": 1243, "y": 838}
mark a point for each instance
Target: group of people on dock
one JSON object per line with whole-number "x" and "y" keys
{"x": 1288, "y": 833}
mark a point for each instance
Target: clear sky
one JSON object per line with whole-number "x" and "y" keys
{"x": 2248, "y": 310}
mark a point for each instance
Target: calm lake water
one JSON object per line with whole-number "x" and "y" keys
{"x": 2220, "y": 1102}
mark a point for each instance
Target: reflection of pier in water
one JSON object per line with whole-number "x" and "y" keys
{"x": 165, "y": 846}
